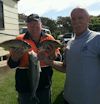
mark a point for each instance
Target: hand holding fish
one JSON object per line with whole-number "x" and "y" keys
{"x": 17, "y": 48}
{"x": 48, "y": 48}
{"x": 16, "y": 53}
{"x": 43, "y": 56}
{"x": 45, "y": 51}
{"x": 46, "y": 55}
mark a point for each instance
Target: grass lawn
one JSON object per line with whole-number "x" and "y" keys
{"x": 7, "y": 89}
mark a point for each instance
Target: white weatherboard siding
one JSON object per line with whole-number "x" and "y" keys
{"x": 10, "y": 17}
{"x": 11, "y": 25}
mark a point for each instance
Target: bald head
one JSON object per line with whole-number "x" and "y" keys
{"x": 80, "y": 20}
{"x": 82, "y": 10}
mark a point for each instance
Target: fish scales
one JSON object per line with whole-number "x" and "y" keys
{"x": 13, "y": 43}
{"x": 34, "y": 72}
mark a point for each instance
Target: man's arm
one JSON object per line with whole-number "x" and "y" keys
{"x": 57, "y": 65}
{"x": 47, "y": 54}
{"x": 14, "y": 59}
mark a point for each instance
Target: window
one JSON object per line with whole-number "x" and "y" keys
{"x": 1, "y": 15}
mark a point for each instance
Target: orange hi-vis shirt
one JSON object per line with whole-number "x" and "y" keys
{"x": 24, "y": 61}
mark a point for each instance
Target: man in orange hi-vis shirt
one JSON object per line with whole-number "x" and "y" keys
{"x": 19, "y": 59}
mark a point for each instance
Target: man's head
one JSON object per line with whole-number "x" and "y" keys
{"x": 34, "y": 24}
{"x": 80, "y": 20}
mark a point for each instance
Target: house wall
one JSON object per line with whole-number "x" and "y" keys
{"x": 11, "y": 25}
{"x": 10, "y": 17}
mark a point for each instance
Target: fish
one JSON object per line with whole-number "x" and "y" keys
{"x": 47, "y": 45}
{"x": 53, "y": 43}
{"x": 14, "y": 43}
{"x": 34, "y": 72}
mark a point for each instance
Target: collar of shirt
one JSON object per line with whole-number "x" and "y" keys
{"x": 83, "y": 34}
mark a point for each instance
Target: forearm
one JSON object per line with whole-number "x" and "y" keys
{"x": 58, "y": 66}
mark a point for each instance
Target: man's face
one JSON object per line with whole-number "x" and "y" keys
{"x": 34, "y": 27}
{"x": 79, "y": 21}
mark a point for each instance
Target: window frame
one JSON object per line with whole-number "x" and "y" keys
{"x": 2, "y": 16}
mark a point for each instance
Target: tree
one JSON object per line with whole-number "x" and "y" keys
{"x": 64, "y": 24}
{"x": 22, "y": 17}
{"x": 95, "y": 23}
{"x": 49, "y": 23}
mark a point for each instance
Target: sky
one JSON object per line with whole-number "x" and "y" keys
{"x": 54, "y": 8}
